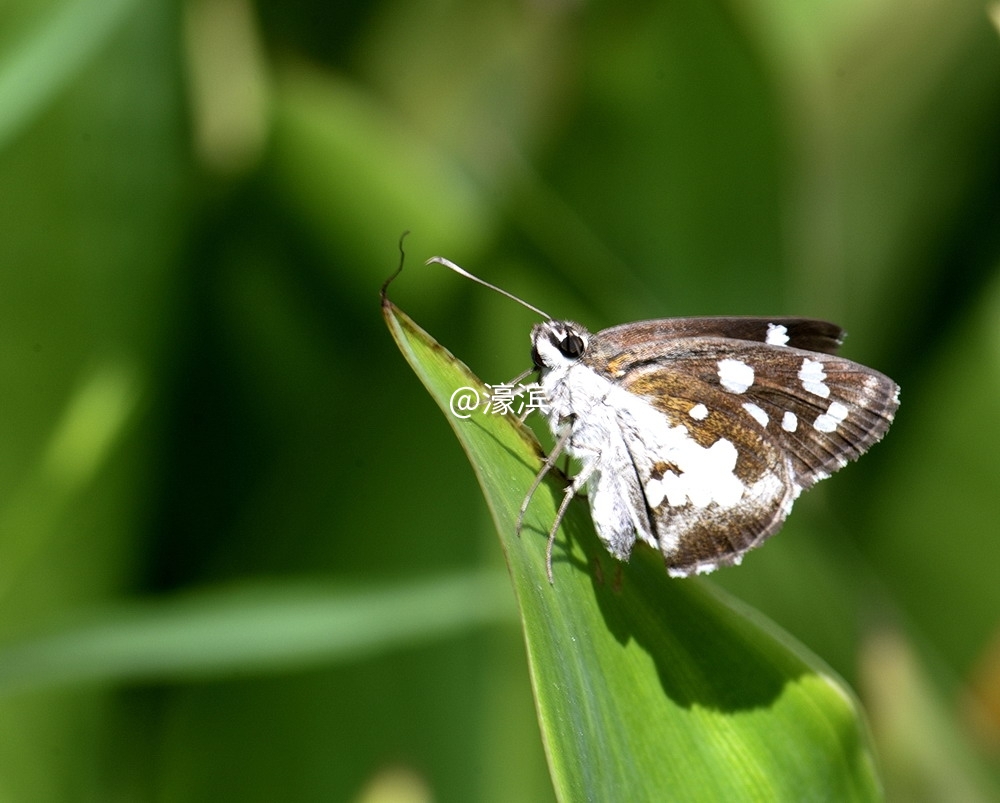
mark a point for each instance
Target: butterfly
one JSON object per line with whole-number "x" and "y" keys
{"x": 696, "y": 435}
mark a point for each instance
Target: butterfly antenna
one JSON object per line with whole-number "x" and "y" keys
{"x": 463, "y": 272}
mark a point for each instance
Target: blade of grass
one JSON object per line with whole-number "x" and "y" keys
{"x": 260, "y": 628}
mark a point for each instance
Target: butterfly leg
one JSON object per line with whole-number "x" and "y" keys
{"x": 550, "y": 462}
{"x": 577, "y": 483}
{"x": 560, "y": 513}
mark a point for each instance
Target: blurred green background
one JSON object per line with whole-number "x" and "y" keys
{"x": 242, "y": 556}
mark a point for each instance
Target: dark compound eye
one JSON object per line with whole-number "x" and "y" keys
{"x": 536, "y": 359}
{"x": 572, "y": 346}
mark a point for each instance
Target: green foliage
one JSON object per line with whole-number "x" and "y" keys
{"x": 219, "y": 483}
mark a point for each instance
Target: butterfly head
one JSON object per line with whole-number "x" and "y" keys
{"x": 557, "y": 344}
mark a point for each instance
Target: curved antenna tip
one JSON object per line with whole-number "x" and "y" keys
{"x": 463, "y": 272}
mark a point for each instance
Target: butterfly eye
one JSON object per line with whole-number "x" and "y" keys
{"x": 572, "y": 346}
{"x": 536, "y": 359}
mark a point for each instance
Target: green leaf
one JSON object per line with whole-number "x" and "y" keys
{"x": 647, "y": 686}
{"x": 255, "y": 628}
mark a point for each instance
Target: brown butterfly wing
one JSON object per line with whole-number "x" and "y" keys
{"x": 803, "y": 415}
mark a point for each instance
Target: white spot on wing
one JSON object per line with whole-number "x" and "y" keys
{"x": 707, "y": 475}
{"x": 832, "y": 418}
{"x": 699, "y": 412}
{"x": 655, "y": 492}
{"x": 757, "y": 413}
{"x": 777, "y": 335}
{"x": 789, "y": 421}
{"x": 735, "y": 376}
{"x": 813, "y": 378}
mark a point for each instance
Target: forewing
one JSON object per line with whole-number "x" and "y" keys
{"x": 825, "y": 410}
{"x": 793, "y": 417}
{"x": 821, "y": 409}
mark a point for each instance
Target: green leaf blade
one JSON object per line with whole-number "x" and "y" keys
{"x": 647, "y": 686}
